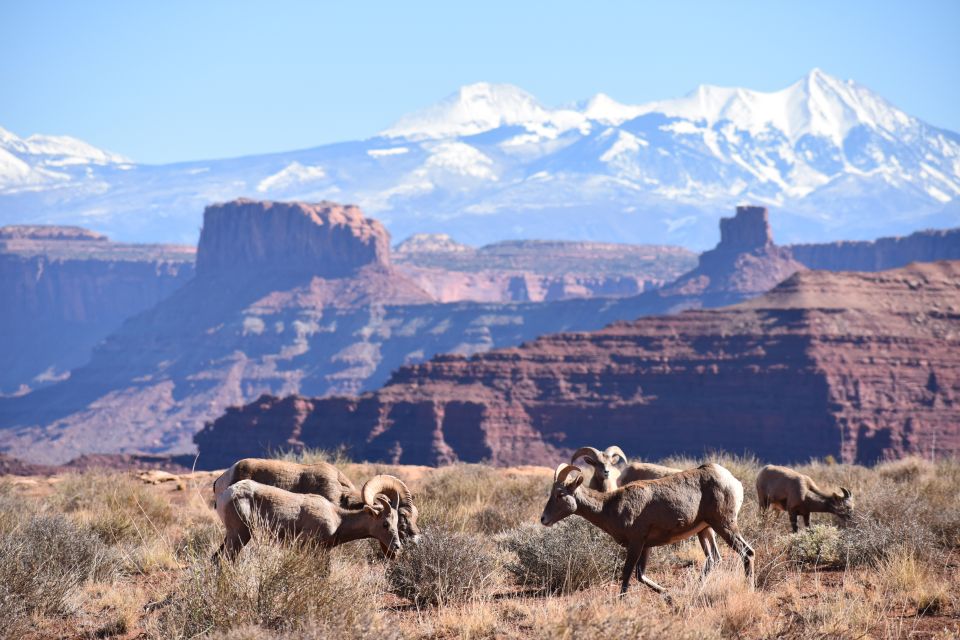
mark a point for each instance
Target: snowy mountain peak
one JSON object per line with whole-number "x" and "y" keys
{"x": 472, "y": 109}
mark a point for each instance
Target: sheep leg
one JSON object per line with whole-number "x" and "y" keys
{"x": 731, "y": 535}
{"x": 641, "y": 571}
{"x": 793, "y": 521}
{"x": 806, "y": 520}
{"x": 708, "y": 542}
{"x": 633, "y": 555}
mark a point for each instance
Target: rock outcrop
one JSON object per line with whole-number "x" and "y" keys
{"x": 64, "y": 289}
{"x": 537, "y": 271}
{"x": 860, "y": 366}
{"x": 325, "y": 239}
{"x": 746, "y": 263}
{"x": 883, "y": 253}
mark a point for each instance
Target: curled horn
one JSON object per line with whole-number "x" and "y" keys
{"x": 390, "y": 486}
{"x": 592, "y": 455}
{"x": 846, "y": 492}
{"x": 565, "y": 470}
{"x": 615, "y": 451}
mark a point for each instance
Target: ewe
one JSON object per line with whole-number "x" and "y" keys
{"x": 653, "y": 513}
{"x": 606, "y": 477}
{"x": 798, "y": 495}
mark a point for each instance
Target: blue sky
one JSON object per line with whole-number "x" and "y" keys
{"x": 189, "y": 80}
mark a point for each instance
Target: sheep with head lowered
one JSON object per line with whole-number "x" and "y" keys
{"x": 606, "y": 476}
{"x": 791, "y": 491}
{"x": 310, "y": 517}
{"x": 652, "y": 513}
{"x": 322, "y": 479}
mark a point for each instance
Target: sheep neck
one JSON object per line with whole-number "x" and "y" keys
{"x": 590, "y": 505}
{"x": 815, "y": 501}
{"x": 354, "y": 525}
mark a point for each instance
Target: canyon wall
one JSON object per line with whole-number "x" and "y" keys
{"x": 861, "y": 366}
{"x": 64, "y": 289}
{"x": 883, "y": 253}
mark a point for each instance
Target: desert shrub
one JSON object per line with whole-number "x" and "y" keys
{"x": 481, "y": 499}
{"x": 570, "y": 555}
{"x": 905, "y": 470}
{"x": 372, "y": 628}
{"x": 819, "y": 545}
{"x": 45, "y": 560}
{"x": 116, "y": 506}
{"x": 282, "y": 587}
{"x": 446, "y": 567}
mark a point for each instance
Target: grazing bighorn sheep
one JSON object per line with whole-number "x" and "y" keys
{"x": 322, "y": 479}
{"x": 798, "y": 495}
{"x": 313, "y": 517}
{"x": 606, "y": 477}
{"x": 653, "y": 513}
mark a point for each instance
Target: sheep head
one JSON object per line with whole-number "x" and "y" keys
{"x": 605, "y": 473}
{"x": 841, "y": 504}
{"x": 384, "y": 511}
{"x": 394, "y": 487}
{"x": 562, "y": 501}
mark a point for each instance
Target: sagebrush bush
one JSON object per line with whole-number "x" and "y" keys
{"x": 819, "y": 545}
{"x": 568, "y": 556}
{"x": 118, "y": 507}
{"x": 446, "y": 567}
{"x": 43, "y": 563}
{"x": 271, "y": 585}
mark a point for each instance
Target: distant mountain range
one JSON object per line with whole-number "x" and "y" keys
{"x": 490, "y": 163}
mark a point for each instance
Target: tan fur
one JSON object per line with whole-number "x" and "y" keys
{"x": 307, "y": 516}
{"x": 321, "y": 479}
{"x": 791, "y": 491}
{"x": 603, "y": 475}
{"x": 652, "y": 513}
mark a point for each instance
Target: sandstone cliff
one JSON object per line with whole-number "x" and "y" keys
{"x": 64, "y": 289}
{"x": 265, "y": 321}
{"x": 536, "y": 271}
{"x": 325, "y": 239}
{"x": 883, "y": 253}
{"x": 856, "y": 365}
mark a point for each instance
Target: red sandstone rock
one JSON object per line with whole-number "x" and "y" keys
{"x": 861, "y": 366}
{"x": 325, "y": 239}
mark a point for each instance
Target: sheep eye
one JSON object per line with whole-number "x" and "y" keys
{"x": 386, "y": 525}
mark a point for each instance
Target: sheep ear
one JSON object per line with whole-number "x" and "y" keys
{"x": 371, "y": 510}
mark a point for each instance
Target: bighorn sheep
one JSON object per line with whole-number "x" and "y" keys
{"x": 606, "y": 477}
{"x": 313, "y": 517}
{"x": 653, "y": 513}
{"x": 322, "y": 479}
{"x": 798, "y": 495}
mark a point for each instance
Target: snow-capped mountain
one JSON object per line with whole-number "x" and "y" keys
{"x": 833, "y": 159}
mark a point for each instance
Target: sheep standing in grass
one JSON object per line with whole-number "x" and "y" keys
{"x": 322, "y": 479}
{"x": 607, "y": 477}
{"x": 653, "y": 513}
{"x": 798, "y": 495}
{"x": 308, "y": 516}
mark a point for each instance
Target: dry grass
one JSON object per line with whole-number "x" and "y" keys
{"x": 105, "y": 555}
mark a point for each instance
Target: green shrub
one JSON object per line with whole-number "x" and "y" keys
{"x": 820, "y": 545}
{"x": 570, "y": 555}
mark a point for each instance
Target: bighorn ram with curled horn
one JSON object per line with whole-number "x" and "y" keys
{"x": 312, "y": 517}
{"x": 798, "y": 495}
{"x": 653, "y": 513}
{"x": 322, "y": 479}
{"x": 603, "y": 463}
{"x": 606, "y": 477}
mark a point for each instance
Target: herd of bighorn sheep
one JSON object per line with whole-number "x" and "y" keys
{"x": 639, "y": 505}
